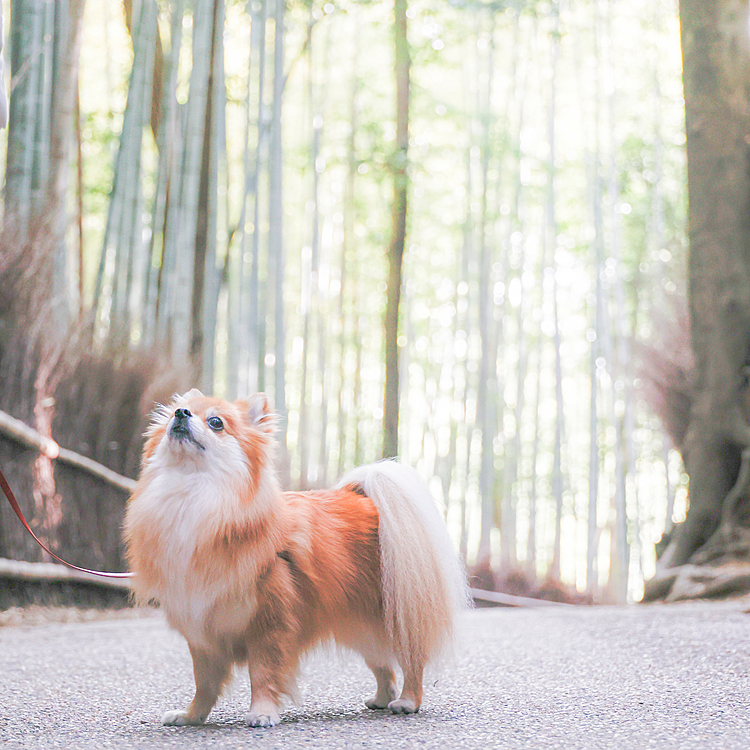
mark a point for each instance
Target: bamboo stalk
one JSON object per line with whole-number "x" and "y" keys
{"x": 348, "y": 242}
{"x": 399, "y": 164}
{"x": 168, "y": 146}
{"x": 123, "y": 253}
{"x": 131, "y": 251}
{"x": 275, "y": 239}
{"x": 216, "y": 164}
{"x": 487, "y": 384}
{"x": 26, "y": 50}
{"x": 79, "y": 203}
{"x": 184, "y": 296}
{"x": 256, "y": 321}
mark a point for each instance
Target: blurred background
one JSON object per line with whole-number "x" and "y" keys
{"x": 223, "y": 194}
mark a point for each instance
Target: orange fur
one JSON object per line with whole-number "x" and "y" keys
{"x": 254, "y": 576}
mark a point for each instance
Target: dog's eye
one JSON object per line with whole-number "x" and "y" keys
{"x": 215, "y": 424}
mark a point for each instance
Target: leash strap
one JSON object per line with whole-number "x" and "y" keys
{"x": 8, "y": 492}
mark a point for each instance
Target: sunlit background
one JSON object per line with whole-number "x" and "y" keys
{"x": 547, "y": 188}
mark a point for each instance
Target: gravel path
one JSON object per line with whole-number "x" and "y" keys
{"x": 662, "y": 676}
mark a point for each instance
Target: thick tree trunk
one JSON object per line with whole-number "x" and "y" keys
{"x": 3, "y": 90}
{"x": 716, "y": 59}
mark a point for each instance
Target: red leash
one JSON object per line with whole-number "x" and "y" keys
{"x": 17, "y": 508}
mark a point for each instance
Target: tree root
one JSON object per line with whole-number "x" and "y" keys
{"x": 721, "y": 567}
{"x": 699, "y": 582}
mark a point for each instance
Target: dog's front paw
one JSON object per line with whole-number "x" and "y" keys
{"x": 180, "y": 719}
{"x": 270, "y": 719}
{"x": 403, "y": 706}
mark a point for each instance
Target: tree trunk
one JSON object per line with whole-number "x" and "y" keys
{"x": 617, "y": 356}
{"x": 275, "y": 242}
{"x": 487, "y": 386}
{"x": 549, "y": 246}
{"x": 161, "y": 259}
{"x": 399, "y": 163}
{"x": 123, "y": 235}
{"x": 347, "y": 246}
{"x": 514, "y": 258}
{"x": 183, "y": 297}
{"x": 26, "y": 41}
{"x": 598, "y": 334}
{"x": 255, "y": 324}
{"x": 310, "y": 272}
{"x": 3, "y": 89}
{"x": 205, "y": 274}
{"x": 63, "y": 111}
{"x": 464, "y": 324}
{"x": 157, "y": 80}
{"x": 716, "y": 59}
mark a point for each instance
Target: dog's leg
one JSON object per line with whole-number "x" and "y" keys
{"x": 387, "y": 691}
{"x": 411, "y": 694}
{"x": 268, "y": 680}
{"x": 211, "y": 674}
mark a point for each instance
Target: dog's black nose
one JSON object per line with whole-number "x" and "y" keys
{"x": 182, "y": 414}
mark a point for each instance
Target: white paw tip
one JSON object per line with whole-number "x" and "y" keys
{"x": 403, "y": 706}
{"x": 262, "y": 720}
{"x": 175, "y": 719}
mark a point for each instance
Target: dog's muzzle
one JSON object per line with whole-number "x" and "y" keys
{"x": 180, "y": 429}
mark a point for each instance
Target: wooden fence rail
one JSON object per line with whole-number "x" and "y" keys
{"x": 21, "y": 433}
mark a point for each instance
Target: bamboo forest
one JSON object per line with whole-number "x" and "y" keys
{"x": 230, "y": 178}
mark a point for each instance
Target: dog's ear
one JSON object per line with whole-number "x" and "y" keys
{"x": 257, "y": 412}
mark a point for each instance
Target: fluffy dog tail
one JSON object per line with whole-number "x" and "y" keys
{"x": 423, "y": 581}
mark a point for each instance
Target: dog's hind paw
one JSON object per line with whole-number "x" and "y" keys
{"x": 403, "y": 706}
{"x": 382, "y": 700}
{"x": 180, "y": 719}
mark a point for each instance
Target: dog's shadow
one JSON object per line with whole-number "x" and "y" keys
{"x": 298, "y": 718}
{"x": 352, "y": 715}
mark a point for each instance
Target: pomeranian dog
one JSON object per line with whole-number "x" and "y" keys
{"x": 254, "y": 576}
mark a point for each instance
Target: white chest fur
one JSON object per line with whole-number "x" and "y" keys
{"x": 182, "y": 508}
